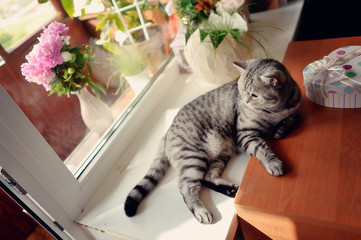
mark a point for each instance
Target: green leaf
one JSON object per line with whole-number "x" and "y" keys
{"x": 100, "y": 87}
{"x": 90, "y": 68}
{"x": 266, "y": 25}
{"x": 73, "y": 58}
{"x": 203, "y": 35}
{"x": 42, "y": 1}
{"x": 95, "y": 87}
{"x": 68, "y": 6}
{"x": 118, "y": 22}
{"x": 103, "y": 19}
{"x": 260, "y": 44}
{"x": 215, "y": 36}
{"x": 101, "y": 42}
{"x": 52, "y": 90}
{"x": 83, "y": 12}
{"x": 95, "y": 91}
{"x": 76, "y": 48}
{"x": 55, "y": 86}
{"x": 124, "y": 4}
{"x": 236, "y": 34}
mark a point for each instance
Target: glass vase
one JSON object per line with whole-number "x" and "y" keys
{"x": 95, "y": 113}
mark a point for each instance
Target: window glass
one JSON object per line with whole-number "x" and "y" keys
{"x": 124, "y": 67}
{"x": 20, "y": 19}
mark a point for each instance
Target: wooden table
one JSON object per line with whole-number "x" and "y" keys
{"x": 320, "y": 195}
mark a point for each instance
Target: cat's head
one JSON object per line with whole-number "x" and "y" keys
{"x": 263, "y": 82}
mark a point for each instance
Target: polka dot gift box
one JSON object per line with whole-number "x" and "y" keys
{"x": 335, "y": 80}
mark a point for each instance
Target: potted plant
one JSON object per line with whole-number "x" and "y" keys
{"x": 131, "y": 65}
{"x": 145, "y": 34}
{"x": 217, "y": 34}
{"x": 148, "y": 39}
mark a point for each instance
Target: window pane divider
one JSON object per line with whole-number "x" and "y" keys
{"x": 142, "y": 25}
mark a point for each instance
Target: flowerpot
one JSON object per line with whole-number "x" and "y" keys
{"x": 215, "y": 66}
{"x": 152, "y": 49}
{"x": 95, "y": 113}
{"x": 139, "y": 81}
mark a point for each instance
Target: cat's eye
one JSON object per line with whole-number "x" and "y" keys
{"x": 255, "y": 95}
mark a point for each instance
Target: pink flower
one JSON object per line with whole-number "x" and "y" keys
{"x": 48, "y": 51}
{"x": 55, "y": 28}
{"x": 40, "y": 61}
{"x": 33, "y": 73}
{"x": 47, "y": 86}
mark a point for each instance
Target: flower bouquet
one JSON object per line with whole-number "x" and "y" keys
{"x": 64, "y": 70}
{"x": 216, "y": 35}
{"x": 56, "y": 66}
{"x": 214, "y": 18}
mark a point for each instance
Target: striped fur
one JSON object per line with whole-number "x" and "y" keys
{"x": 208, "y": 130}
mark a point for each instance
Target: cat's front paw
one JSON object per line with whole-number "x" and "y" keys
{"x": 203, "y": 215}
{"x": 279, "y": 133}
{"x": 284, "y": 127}
{"x": 275, "y": 167}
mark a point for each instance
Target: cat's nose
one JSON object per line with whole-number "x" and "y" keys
{"x": 246, "y": 99}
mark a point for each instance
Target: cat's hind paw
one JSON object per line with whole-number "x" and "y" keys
{"x": 232, "y": 190}
{"x": 222, "y": 186}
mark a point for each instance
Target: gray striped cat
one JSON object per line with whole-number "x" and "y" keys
{"x": 208, "y": 130}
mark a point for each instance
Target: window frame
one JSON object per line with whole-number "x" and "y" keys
{"x": 38, "y": 169}
{"x": 53, "y": 193}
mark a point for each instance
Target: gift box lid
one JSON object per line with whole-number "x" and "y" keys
{"x": 335, "y": 80}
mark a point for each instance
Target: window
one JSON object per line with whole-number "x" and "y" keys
{"x": 20, "y": 19}
{"x": 36, "y": 128}
{"x": 125, "y": 75}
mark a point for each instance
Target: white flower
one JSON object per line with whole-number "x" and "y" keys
{"x": 229, "y": 6}
{"x": 120, "y": 37}
{"x": 66, "y": 40}
{"x": 224, "y": 20}
{"x": 67, "y": 56}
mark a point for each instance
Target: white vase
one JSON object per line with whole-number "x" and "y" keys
{"x": 138, "y": 81}
{"x": 95, "y": 113}
{"x": 215, "y": 66}
{"x": 152, "y": 49}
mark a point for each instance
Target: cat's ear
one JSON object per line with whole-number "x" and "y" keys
{"x": 274, "y": 79}
{"x": 271, "y": 81}
{"x": 241, "y": 66}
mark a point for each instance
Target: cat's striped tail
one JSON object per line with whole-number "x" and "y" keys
{"x": 155, "y": 173}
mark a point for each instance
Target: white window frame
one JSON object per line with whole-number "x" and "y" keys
{"x": 143, "y": 25}
{"x": 34, "y": 165}
{"x": 53, "y": 193}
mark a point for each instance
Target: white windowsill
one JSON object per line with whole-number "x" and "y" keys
{"x": 163, "y": 214}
